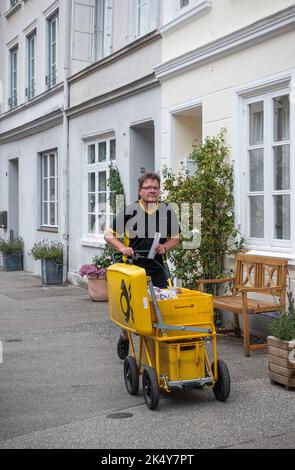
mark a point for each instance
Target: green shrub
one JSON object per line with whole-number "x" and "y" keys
{"x": 212, "y": 187}
{"x": 48, "y": 250}
{"x": 12, "y": 247}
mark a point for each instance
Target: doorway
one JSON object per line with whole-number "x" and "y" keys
{"x": 13, "y": 197}
{"x": 142, "y": 154}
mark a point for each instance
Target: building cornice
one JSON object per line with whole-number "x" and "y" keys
{"x": 191, "y": 14}
{"x": 133, "y": 88}
{"x": 268, "y": 27}
{"x": 33, "y": 127}
{"x": 34, "y": 101}
{"x": 118, "y": 55}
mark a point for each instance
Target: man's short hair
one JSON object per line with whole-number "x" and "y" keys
{"x": 149, "y": 176}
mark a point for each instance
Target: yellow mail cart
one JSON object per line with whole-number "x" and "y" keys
{"x": 172, "y": 336}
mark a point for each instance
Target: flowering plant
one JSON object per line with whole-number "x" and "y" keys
{"x": 48, "y": 250}
{"x": 99, "y": 264}
{"x": 12, "y": 247}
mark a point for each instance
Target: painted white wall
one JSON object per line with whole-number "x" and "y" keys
{"x": 27, "y": 150}
{"x": 224, "y": 17}
{"x": 117, "y": 117}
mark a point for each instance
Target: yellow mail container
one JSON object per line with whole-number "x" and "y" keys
{"x": 190, "y": 308}
{"x": 128, "y": 298}
{"x": 182, "y": 361}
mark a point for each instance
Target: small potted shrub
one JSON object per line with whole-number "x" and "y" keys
{"x": 281, "y": 347}
{"x": 13, "y": 253}
{"x": 96, "y": 275}
{"x": 51, "y": 255}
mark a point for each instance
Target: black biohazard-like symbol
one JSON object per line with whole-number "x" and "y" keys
{"x": 125, "y": 302}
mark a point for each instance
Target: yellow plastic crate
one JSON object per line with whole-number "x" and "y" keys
{"x": 182, "y": 361}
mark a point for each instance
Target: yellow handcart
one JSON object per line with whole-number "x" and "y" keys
{"x": 172, "y": 336}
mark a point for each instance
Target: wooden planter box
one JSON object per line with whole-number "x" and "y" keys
{"x": 281, "y": 369}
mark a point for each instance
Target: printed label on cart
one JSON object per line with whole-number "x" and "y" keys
{"x": 145, "y": 303}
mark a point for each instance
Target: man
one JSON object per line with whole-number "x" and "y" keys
{"x": 142, "y": 223}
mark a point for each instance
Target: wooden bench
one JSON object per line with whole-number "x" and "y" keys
{"x": 253, "y": 274}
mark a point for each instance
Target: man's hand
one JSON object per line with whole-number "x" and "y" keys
{"x": 160, "y": 249}
{"x": 127, "y": 251}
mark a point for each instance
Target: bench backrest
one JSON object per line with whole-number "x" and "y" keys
{"x": 260, "y": 271}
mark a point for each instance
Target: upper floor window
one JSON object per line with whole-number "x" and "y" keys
{"x": 99, "y": 157}
{"x": 13, "y": 77}
{"x": 184, "y": 3}
{"x": 51, "y": 78}
{"x": 49, "y": 187}
{"x": 31, "y": 89}
{"x": 13, "y": 2}
{"x": 269, "y": 169}
{"x": 146, "y": 13}
{"x": 92, "y": 30}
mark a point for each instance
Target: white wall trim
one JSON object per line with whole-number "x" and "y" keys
{"x": 30, "y": 28}
{"x": 51, "y": 9}
{"x": 190, "y": 14}
{"x": 268, "y": 27}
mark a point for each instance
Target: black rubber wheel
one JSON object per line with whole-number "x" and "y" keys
{"x": 150, "y": 388}
{"x": 131, "y": 375}
{"x": 221, "y": 388}
{"x": 123, "y": 348}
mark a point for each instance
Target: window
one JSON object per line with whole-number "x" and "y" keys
{"x": 147, "y": 12}
{"x": 49, "y": 185}
{"x": 99, "y": 157}
{"x": 13, "y": 2}
{"x": 31, "y": 90}
{"x": 13, "y": 77}
{"x": 92, "y": 30}
{"x": 269, "y": 168}
{"x": 184, "y": 3}
{"x": 51, "y": 78}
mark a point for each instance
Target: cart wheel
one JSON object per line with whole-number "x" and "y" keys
{"x": 150, "y": 388}
{"x": 131, "y": 375}
{"x": 221, "y": 388}
{"x": 123, "y": 348}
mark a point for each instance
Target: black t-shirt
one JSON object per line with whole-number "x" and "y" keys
{"x": 140, "y": 227}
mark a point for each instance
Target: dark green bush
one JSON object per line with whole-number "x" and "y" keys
{"x": 48, "y": 250}
{"x": 12, "y": 247}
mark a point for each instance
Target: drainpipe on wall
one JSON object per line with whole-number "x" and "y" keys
{"x": 67, "y": 12}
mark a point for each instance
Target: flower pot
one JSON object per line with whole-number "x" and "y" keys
{"x": 97, "y": 289}
{"x": 281, "y": 360}
{"x": 52, "y": 273}
{"x": 13, "y": 262}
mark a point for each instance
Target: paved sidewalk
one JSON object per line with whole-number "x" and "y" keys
{"x": 61, "y": 380}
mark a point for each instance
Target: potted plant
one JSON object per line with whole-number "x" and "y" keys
{"x": 281, "y": 347}
{"x": 51, "y": 255}
{"x": 96, "y": 275}
{"x": 13, "y": 251}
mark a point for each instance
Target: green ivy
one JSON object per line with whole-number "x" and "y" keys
{"x": 116, "y": 187}
{"x": 211, "y": 186}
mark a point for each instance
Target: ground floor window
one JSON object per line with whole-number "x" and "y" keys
{"x": 100, "y": 156}
{"x": 49, "y": 189}
{"x": 269, "y": 166}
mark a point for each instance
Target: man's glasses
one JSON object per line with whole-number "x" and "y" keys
{"x": 149, "y": 188}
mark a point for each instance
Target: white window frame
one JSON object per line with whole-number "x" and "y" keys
{"x": 46, "y": 180}
{"x": 13, "y": 59}
{"x": 96, "y": 168}
{"x": 51, "y": 78}
{"x": 32, "y": 45}
{"x": 276, "y": 86}
{"x": 151, "y": 22}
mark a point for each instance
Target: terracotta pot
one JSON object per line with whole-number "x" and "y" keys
{"x": 98, "y": 289}
{"x": 281, "y": 361}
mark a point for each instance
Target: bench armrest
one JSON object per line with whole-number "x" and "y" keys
{"x": 259, "y": 289}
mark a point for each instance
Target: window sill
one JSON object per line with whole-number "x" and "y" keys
{"x": 95, "y": 242}
{"x": 13, "y": 9}
{"x": 47, "y": 229}
{"x": 190, "y": 14}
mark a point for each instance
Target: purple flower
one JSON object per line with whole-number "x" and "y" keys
{"x": 90, "y": 270}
